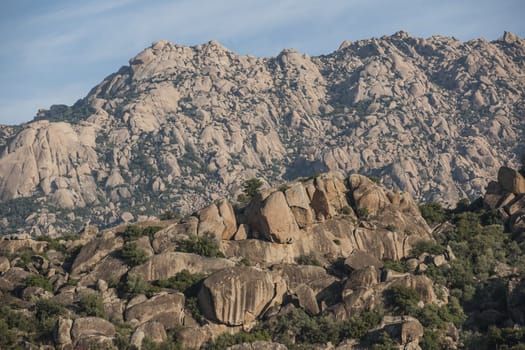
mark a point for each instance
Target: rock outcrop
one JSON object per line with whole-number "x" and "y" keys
{"x": 507, "y": 195}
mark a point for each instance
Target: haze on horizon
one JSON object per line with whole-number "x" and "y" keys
{"x": 54, "y": 52}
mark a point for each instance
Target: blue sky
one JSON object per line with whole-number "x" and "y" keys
{"x": 55, "y": 51}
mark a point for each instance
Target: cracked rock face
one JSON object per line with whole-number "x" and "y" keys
{"x": 187, "y": 125}
{"x": 238, "y": 295}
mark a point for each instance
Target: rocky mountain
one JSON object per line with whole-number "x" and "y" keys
{"x": 182, "y": 126}
{"x": 322, "y": 263}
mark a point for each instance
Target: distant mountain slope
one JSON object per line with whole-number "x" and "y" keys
{"x": 180, "y": 126}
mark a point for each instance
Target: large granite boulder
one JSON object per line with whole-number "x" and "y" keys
{"x": 91, "y": 327}
{"x": 168, "y": 264}
{"x": 511, "y": 181}
{"x": 166, "y": 308}
{"x": 152, "y": 330}
{"x": 217, "y": 219}
{"x": 238, "y": 295}
{"x": 95, "y": 250}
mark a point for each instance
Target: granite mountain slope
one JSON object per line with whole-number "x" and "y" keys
{"x": 182, "y": 126}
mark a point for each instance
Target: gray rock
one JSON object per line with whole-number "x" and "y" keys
{"x": 237, "y": 295}
{"x": 166, "y": 308}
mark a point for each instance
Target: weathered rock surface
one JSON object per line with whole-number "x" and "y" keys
{"x": 88, "y": 327}
{"x": 507, "y": 195}
{"x": 153, "y": 330}
{"x": 237, "y": 295}
{"x": 166, "y": 308}
{"x": 95, "y": 250}
{"x": 433, "y": 117}
{"x": 168, "y": 264}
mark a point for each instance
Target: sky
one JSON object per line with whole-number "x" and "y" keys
{"x": 55, "y": 51}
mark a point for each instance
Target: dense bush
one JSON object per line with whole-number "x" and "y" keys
{"x": 433, "y": 213}
{"x": 37, "y": 280}
{"x": 183, "y": 281}
{"x": 132, "y": 255}
{"x": 226, "y": 340}
{"x": 132, "y": 232}
{"x": 205, "y": 246}
{"x": 251, "y": 188}
{"x": 47, "y": 312}
{"x": 429, "y": 247}
{"x": 15, "y": 328}
{"x": 363, "y": 213}
{"x": 395, "y": 265}
{"x": 297, "y": 327}
{"x": 403, "y": 300}
{"x": 92, "y": 305}
{"x": 135, "y": 284}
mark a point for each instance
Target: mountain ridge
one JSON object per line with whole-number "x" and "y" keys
{"x": 181, "y": 126}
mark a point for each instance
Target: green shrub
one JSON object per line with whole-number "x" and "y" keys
{"x": 385, "y": 343}
{"x": 205, "y": 246}
{"x": 363, "y": 213}
{"x": 192, "y": 305}
{"x": 346, "y": 210}
{"x": 402, "y": 299}
{"x": 308, "y": 259}
{"x": 251, "y": 188}
{"x": 92, "y": 305}
{"x": 433, "y": 213}
{"x": 306, "y": 329}
{"x": 135, "y": 284}
{"x": 132, "y": 232}
{"x": 395, "y": 266}
{"x": 47, "y": 312}
{"x": 431, "y": 340}
{"x": 38, "y": 281}
{"x": 132, "y": 255}
{"x": 358, "y": 327}
{"x": 48, "y": 309}
{"x": 23, "y": 257}
{"x": 170, "y": 344}
{"x": 12, "y": 325}
{"x": 150, "y": 231}
{"x": 429, "y": 247}
{"x": 226, "y": 340}
{"x": 184, "y": 282}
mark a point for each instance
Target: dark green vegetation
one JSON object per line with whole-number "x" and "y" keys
{"x": 205, "y": 246}
{"x": 477, "y": 288}
{"x": 250, "y": 189}
{"x": 298, "y": 330}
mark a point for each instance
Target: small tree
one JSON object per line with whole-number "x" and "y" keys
{"x": 132, "y": 255}
{"x": 92, "y": 305}
{"x": 251, "y": 188}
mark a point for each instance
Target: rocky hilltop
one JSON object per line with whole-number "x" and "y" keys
{"x": 182, "y": 126}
